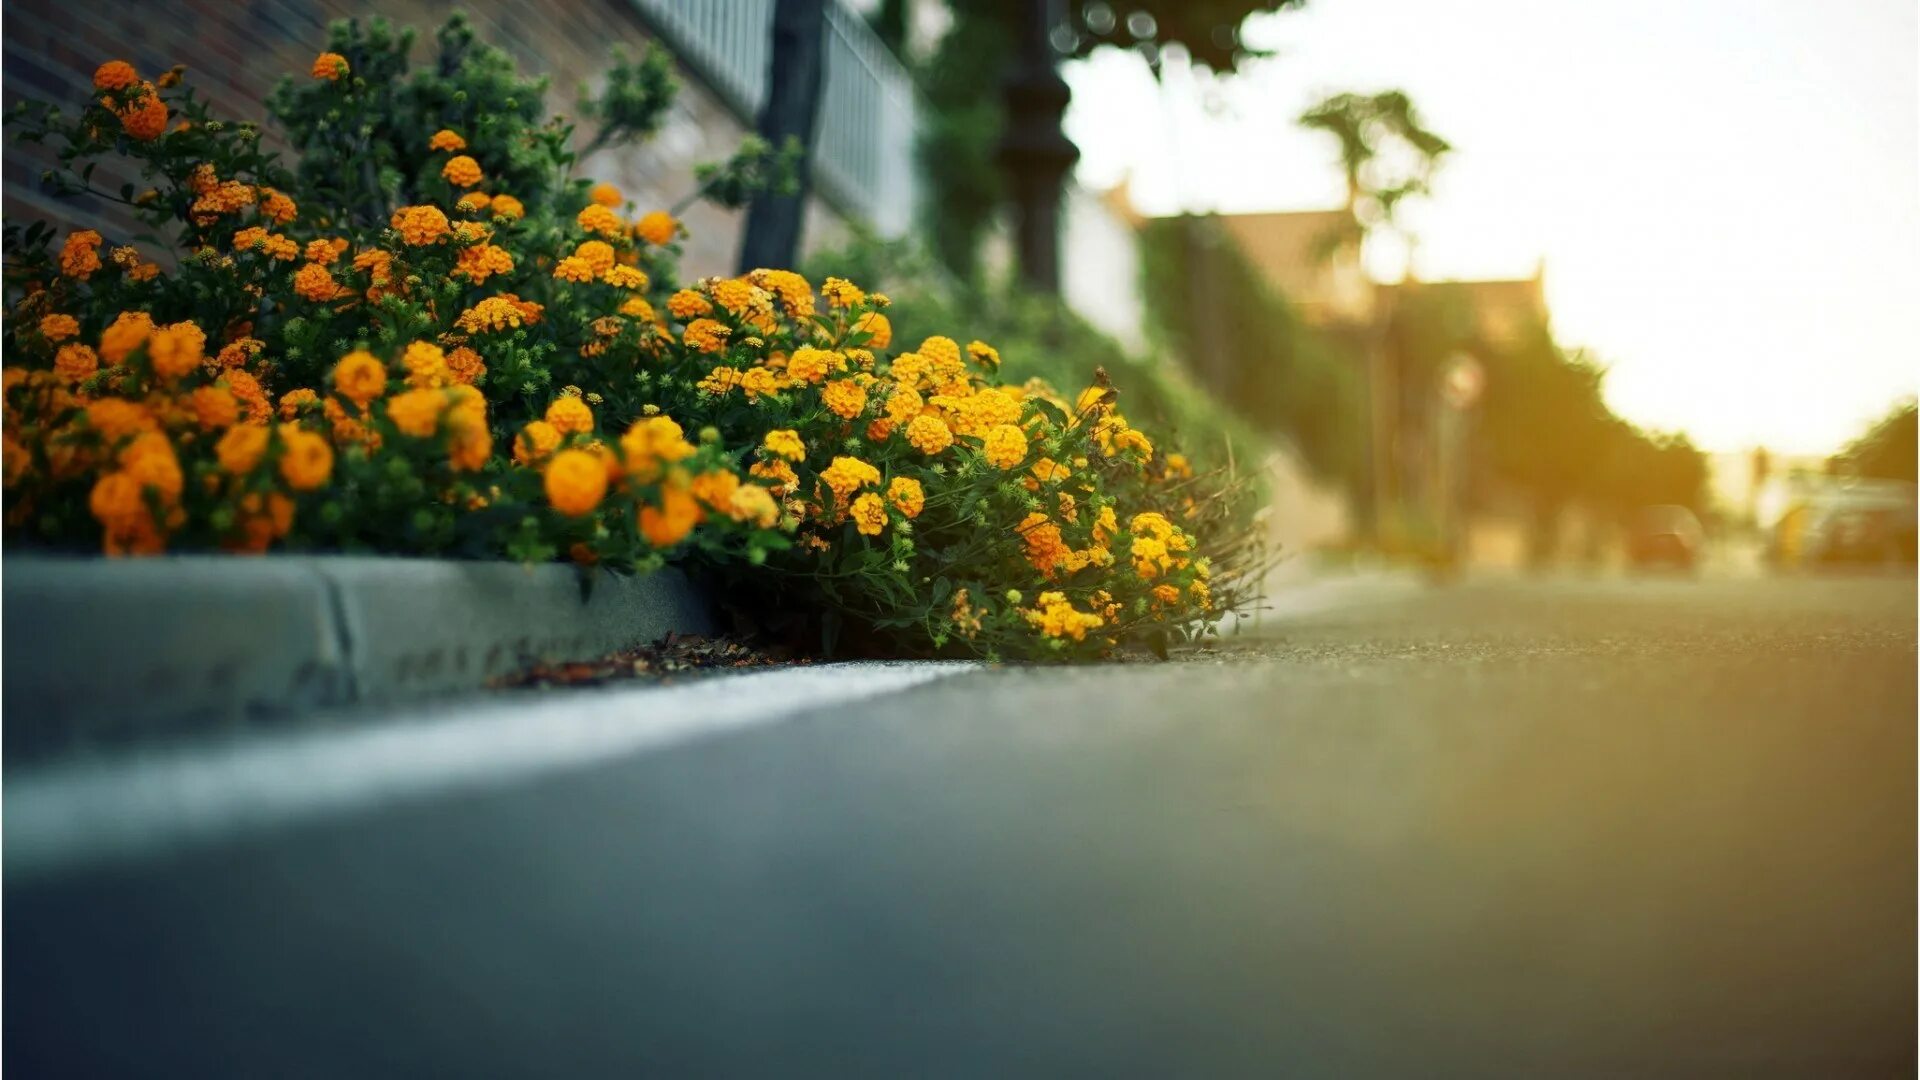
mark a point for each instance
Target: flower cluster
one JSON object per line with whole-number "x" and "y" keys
{"x": 484, "y": 371}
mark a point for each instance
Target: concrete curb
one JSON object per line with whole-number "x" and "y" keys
{"x": 115, "y": 650}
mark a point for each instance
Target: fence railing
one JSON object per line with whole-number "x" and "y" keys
{"x": 864, "y": 141}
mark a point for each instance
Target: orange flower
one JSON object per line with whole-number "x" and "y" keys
{"x": 576, "y": 481}
{"x": 466, "y": 366}
{"x": 417, "y": 412}
{"x": 598, "y": 219}
{"x": 80, "y": 254}
{"x": 75, "y": 362}
{"x": 535, "y": 442}
{"x": 360, "y": 377}
{"x": 57, "y": 328}
{"x": 316, "y": 283}
{"x": 869, "y": 514}
{"x": 420, "y": 225}
{"x": 678, "y": 513}
{"x": 176, "y": 350}
{"x": 606, "y": 195}
{"x": 144, "y": 117}
{"x": 905, "y": 493}
{"x": 307, "y": 461}
{"x": 878, "y": 329}
{"x": 507, "y": 206}
{"x": 215, "y": 407}
{"x": 114, "y": 75}
{"x": 569, "y": 415}
{"x": 844, "y": 397}
{"x": 446, "y": 139}
{"x": 657, "y": 228}
{"x": 330, "y": 66}
{"x": 240, "y": 448}
{"x": 462, "y": 171}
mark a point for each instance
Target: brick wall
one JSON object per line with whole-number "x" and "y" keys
{"x": 235, "y": 50}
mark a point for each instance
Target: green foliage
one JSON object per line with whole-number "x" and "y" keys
{"x": 1386, "y": 152}
{"x": 1888, "y": 450}
{"x": 1208, "y": 303}
{"x": 635, "y": 99}
{"x": 754, "y": 168}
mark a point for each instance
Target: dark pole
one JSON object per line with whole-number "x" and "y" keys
{"x": 795, "y": 79}
{"x": 1034, "y": 152}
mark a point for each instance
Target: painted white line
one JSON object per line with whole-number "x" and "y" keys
{"x": 65, "y": 816}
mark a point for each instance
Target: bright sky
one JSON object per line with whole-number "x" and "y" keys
{"x": 1726, "y": 192}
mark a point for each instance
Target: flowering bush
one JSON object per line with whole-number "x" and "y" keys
{"x": 430, "y": 338}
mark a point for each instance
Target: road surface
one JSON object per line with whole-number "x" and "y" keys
{"x": 1511, "y": 828}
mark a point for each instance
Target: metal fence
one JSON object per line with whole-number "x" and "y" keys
{"x": 864, "y": 142}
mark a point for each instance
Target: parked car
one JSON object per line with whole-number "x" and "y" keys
{"x": 1866, "y": 521}
{"x": 1665, "y": 536}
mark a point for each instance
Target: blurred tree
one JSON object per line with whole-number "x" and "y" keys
{"x": 1274, "y": 370}
{"x": 1888, "y": 450}
{"x": 1386, "y": 152}
{"x": 968, "y": 129}
{"x": 796, "y": 77}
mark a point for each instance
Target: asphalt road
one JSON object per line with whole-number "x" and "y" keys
{"x": 1632, "y": 828}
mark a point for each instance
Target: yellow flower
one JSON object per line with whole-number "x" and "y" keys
{"x": 446, "y": 139}
{"x": 417, "y": 412}
{"x": 784, "y": 480}
{"x": 715, "y": 488}
{"x": 59, "y": 328}
{"x": 1166, "y": 594}
{"x": 785, "y": 443}
{"x": 330, "y": 66}
{"x": 759, "y": 382}
{"x": 929, "y": 434}
{"x": 461, "y": 171}
{"x": 598, "y": 219}
{"x": 847, "y": 475}
{"x": 176, "y": 350}
{"x": 507, "y": 206}
{"x": 657, "y": 228}
{"x": 808, "y": 364}
{"x": 625, "y": 277}
{"x": 984, "y": 355}
{"x": 576, "y": 481}
{"x": 869, "y": 514}
{"x": 706, "y": 335}
{"x": 878, "y": 329}
{"x": 606, "y": 195}
{"x": 905, "y": 493}
{"x": 636, "y": 307}
{"x": 307, "y": 461}
{"x": 360, "y": 377}
{"x": 651, "y": 442}
{"x": 535, "y": 442}
{"x": 1150, "y": 558}
{"x": 1005, "y": 447}
{"x": 426, "y": 365}
{"x": 569, "y": 414}
{"x": 498, "y": 313}
{"x": 841, "y": 293}
{"x": 688, "y": 304}
{"x": 844, "y": 398}
{"x": 420, "y": 225}
{"x": 1055, "y": 617}
{"x": 752, "y": 503}
{"x": 574, "y": 269}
